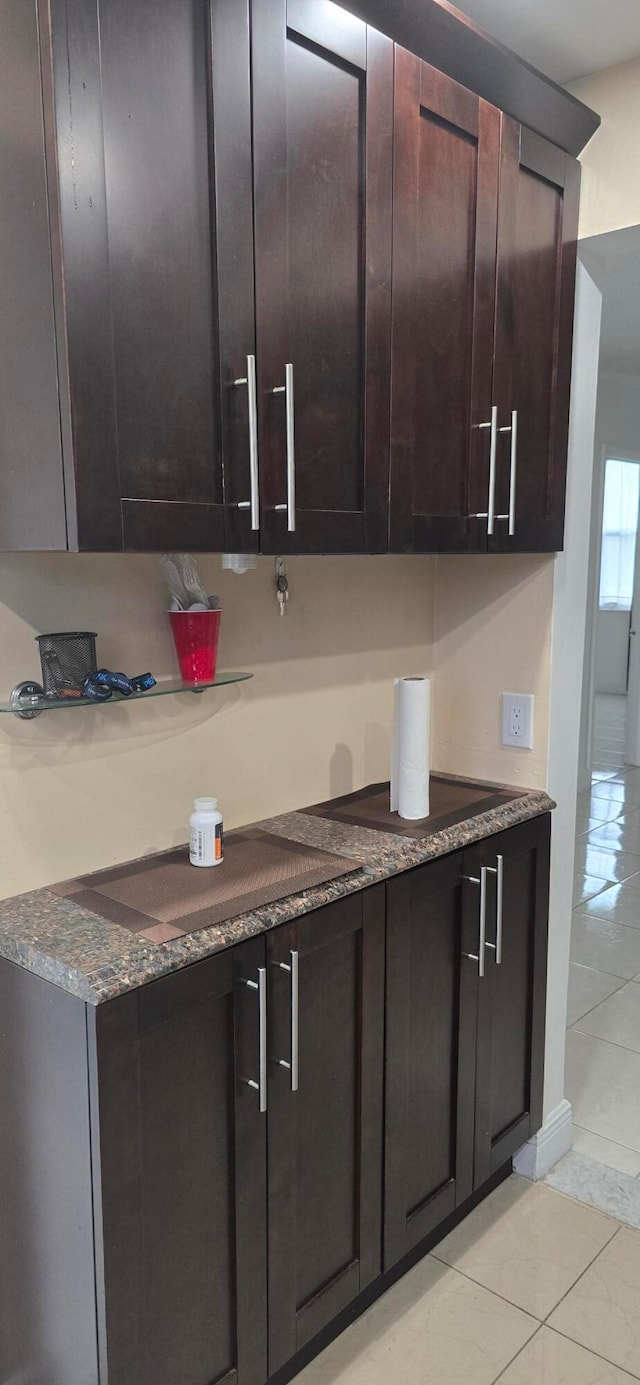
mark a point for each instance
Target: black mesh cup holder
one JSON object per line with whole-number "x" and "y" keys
{"x": 67, "y": 659}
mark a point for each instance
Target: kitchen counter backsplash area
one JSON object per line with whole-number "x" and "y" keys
{"x": 52, "y": 933}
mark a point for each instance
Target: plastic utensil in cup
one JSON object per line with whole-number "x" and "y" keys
{"x": 195, "y": 635}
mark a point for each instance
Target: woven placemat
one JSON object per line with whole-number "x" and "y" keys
{"x": 164, "y": 897}
{"x": 450, "y": 802}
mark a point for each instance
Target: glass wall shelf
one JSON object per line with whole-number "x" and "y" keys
{"x": 27, "y": 699}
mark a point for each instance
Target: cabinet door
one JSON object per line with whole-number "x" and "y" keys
{"x": 323, "y": 110}
{"x": 326, "y": 1021}
{"x": 512, "y": 992}
{"x": 159, "y": 433}
{"x": 446, "y": 166}
{"x": 32, "y": 505}
{"x": 430, "y": 1055}
{"x": 538, "y": 225}
{"x": 180, "y": 1178}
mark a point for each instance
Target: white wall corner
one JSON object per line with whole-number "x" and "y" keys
{"x": 543, "y": 1150}
{"x": 567, "y": 656}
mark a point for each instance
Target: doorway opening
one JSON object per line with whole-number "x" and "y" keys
{"x": 612, "y": 746}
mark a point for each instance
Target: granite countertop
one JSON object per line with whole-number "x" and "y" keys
{"x": 97, "y": 960}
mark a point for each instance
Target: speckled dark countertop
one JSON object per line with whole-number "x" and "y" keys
{"x": 96, "y": 960}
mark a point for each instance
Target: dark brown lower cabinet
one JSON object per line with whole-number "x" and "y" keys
{"x": 276, "y": 1043}
{"x": 179, "y": 1148}
{"x": 465, "y": 1011}
{"x": 325, "y": 1116}
{"x": 512, "y": 993}
{"x": 204, "y": 1178}
{"x": 430, "y": 1055}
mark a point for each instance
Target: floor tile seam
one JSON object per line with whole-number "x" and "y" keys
{"x": 605, "y": 846}
{"x": 613, "y": 974}
{"x": 569, "y": 1198}
{"x": 629, "y": 927}
{"x": 590, "y": 1352}
{"x": 518, "y": 1353}
{"x": 615, "y": 799}
{"x": 612, "y": 1044}
{"x": 629, "y": 1148}
{"x": 635, "y": 875}
{"x": 600, "y": 1002}
{"x": 632, "y": 982}
{"x": 602, "y": 783}
{"x": 589, "y": 897}
{"x": 496, "y": 1293}
{"x": 614, "y": 851}
{"x": 617, "y": 1228}
{"x": 607, "y": 1359}
{"x": 606, "y": 918}
{"x": 611, "y": 851}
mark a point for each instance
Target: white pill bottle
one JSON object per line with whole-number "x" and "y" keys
{"x": 206, "y": 842}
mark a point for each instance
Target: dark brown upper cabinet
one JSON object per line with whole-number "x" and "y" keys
{"x": 147, "y": 120}
{"x": 484, "y": 253}
{"x": 323, "y": 112}
{"x": 272, "y": 283}
{"x": 447, "y": 158}
{"x": 32, "y": 507}
{"x": 537, "y": 239}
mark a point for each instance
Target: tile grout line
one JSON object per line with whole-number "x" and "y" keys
{"x": 541, "y": 1321}
{"x": 601, "y": 918}
{"x": 630, "y": 1149}
{"x": 598, "y": 1357}
{"x": 607, "y": 885}
{"x": 624, "y": 980}
{"x": 612, "y": 1044}
{"x": 470, "y": 1280}
{"x": 587, "y": 1267}
{"x": 518, "y": 1353}
{"x": 596, "y": 1354}
{"x": 606, "y": 1359}
{"x": 600, "y": 1002}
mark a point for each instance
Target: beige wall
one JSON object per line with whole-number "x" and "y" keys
{"x": 611, "y": 161}
{"x": 82, "y": 789}
{"x": 492, "y": 634}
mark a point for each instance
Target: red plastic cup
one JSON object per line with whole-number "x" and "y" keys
{"x": 195, "y": 635}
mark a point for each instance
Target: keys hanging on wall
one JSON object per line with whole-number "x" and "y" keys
{"x": 282, "y": 586}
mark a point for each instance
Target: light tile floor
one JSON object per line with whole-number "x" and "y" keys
{"x": 609, "y": 728}
{"x": 603, "y": 1042}
{"x": 532, "y": 1289}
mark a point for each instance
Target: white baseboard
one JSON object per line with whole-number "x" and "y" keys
{"x": 543, "y": 1150}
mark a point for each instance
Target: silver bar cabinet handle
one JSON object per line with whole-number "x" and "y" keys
{"x": 478, "y": 956}
{"x": 489, "y": 513}
{"x": 512, "y": 428}
{"x": 261, "y": 987}
{"x": 252, "y": 390}
{"x": 513, "y": 472}
{"x": 287, "y": 390}
{"x": 498, "y": 871}
{"x": 500, "y": 890}
{"x": 293, "y": 1066}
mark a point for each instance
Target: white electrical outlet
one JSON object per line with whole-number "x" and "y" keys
{"x": 517, "y": 720}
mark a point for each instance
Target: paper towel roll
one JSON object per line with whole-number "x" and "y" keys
{"x": 411, "y": 746}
